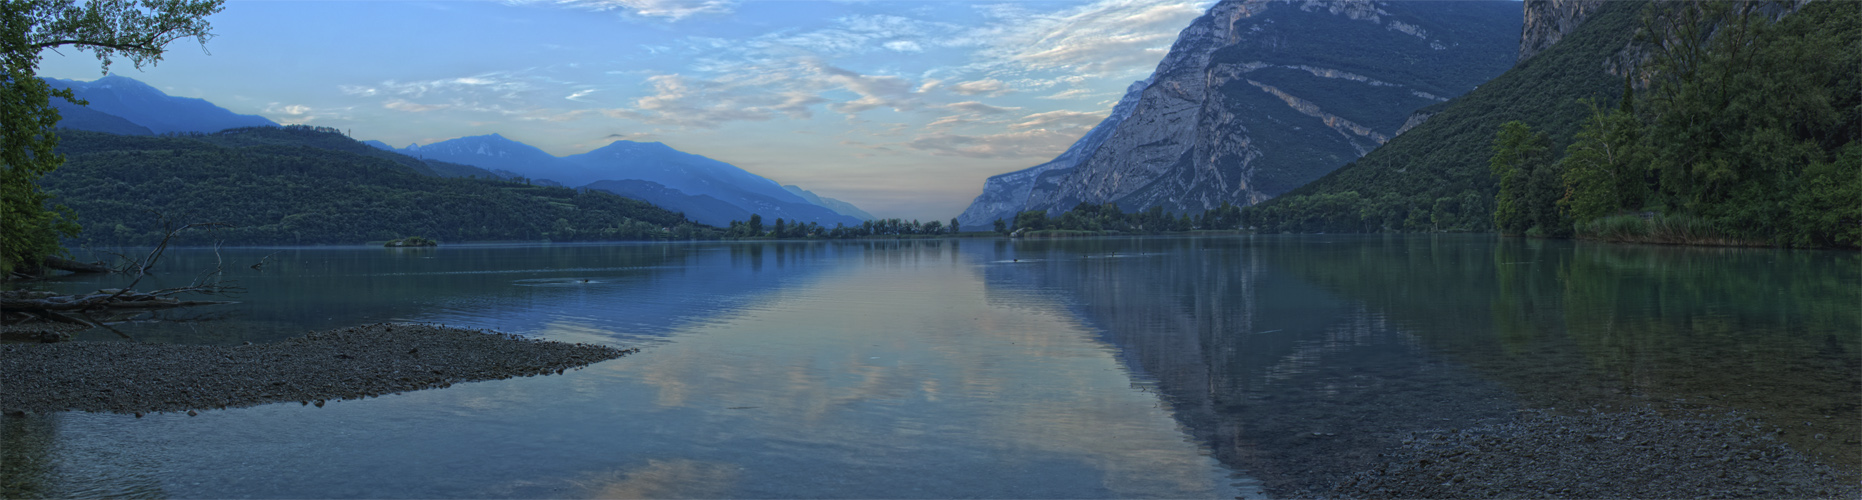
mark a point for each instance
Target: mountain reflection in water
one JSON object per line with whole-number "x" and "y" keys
{"x": 1300, "y": 359}
{"x": 1114, "y": 367}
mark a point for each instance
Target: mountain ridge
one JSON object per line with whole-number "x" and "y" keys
{"x": 146, "y": 106}
{"x": 1258, "y": 97}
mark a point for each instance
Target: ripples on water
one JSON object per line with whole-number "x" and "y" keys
{"x": 1122, "y": 367}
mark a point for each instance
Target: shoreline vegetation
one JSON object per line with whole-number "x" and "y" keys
{"x": 411, "y": 241}
{"x": 345, "y": 363}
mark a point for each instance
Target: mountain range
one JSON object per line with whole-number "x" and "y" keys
{"x": 146, "y": 107}
{"x": 1258, "y": 97}
{"x": 709, "y": 191}
{"x": 682, "y": 178}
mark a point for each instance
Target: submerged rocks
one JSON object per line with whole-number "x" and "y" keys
{"x": 347, "y": 363}
{"x": 1601, "y": 455}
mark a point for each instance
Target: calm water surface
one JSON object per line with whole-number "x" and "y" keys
{"x": 1128, "y": 367}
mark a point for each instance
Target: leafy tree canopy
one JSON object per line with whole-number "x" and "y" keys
{"x": 137, "y": 31}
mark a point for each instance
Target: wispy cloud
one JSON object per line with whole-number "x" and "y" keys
{"x": 1060, "y": 119}
{"x": 1031, "y": 144}
{"x": 1094, "y": 40}
{"x": 1034, "y": 136}
{"x": 977, "y": 108}
{"x": 991, "y": 87}
{"x": 402, "y": 105}
{"x": 671, "y": 9}
{"x": 765, "y": 90}
{"x": 299, "y": 114}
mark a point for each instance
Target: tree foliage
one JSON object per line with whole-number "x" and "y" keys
{"x": 1744, "y": 118}
{"x": 1747, "y": 124}
{"x": 137, "y": 31}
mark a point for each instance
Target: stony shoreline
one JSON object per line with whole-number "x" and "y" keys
{"x": 347, "y": 363}
{"x": 1639, "y": 454}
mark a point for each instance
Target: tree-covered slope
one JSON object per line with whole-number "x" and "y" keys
{"x": 1435, "y": 176}
{"x": 276, "y": 191}
{"x": 1740, "y": 122}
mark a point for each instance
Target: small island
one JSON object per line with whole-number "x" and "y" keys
{"x": 412, "y": 241}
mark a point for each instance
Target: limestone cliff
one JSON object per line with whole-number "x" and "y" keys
{"x": 1257, "y": 97}
{"x": 1547, "y": 21}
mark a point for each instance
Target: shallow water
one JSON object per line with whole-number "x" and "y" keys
{"x": 1121, "y": 367}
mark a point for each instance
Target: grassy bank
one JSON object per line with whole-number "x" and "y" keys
{"x": 1662, "y": 230}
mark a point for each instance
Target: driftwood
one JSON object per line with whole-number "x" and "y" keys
{"x": 103, "y": 299}
{"x": 63, "y": 264}
{"x": 28, "y": 306}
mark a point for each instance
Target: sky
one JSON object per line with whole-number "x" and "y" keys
{"x": 900, "y": 107}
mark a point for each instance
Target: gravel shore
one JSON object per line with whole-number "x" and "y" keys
{"x": 348, "y": 363}
{"x": 1602, "y": 455}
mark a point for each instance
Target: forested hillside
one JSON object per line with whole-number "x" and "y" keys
{"x": 1738, "y": 127}
{"x": 1434, "y": 177}
{"x": 303, "y": 186}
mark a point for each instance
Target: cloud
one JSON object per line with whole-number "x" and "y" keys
{"x": 977, "y": 108}
{"x": 1100, "y": 39}
{"x": 1060, "y": 118}
{"x": 1036, "y": 136}
{"x": 1070, "y": 94}
{"x": 758, "y": 91}
{"x": 402, "y": 105}
{"x": 579, "y": 94}
{"x": 903, "y": 46}
{"x": 876, "y": 91}
{"x": 299, "y": 114}
{"x": 850, "y": 35}
{"x": 992, "y": 87}
{"x": 678, "y": 100}
{"x": 1038, "y": 143}
{"x": 672, "y": 9}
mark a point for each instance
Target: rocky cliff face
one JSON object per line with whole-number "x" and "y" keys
{"x": 1547, "y": 21}
{"x": 1257, "y": 97}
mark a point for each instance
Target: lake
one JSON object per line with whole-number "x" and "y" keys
{"x": 1070, "y": 368}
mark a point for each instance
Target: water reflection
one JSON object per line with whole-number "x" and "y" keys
{"x": 1282, "y": 380}
{"x": 1299, "y": 359}
{"x": 1119, "y": 367}
{"x": 867, "y": 369}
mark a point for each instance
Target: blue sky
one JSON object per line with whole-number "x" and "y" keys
{"x": 901, "y": 107}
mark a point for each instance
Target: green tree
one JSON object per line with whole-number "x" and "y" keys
{"x": 137, "y": 31}
{"x": 1001, "y": 226}
{"x": 954, "y": 226}
{"x": 756, "y": 225}
{"x": 1602, "y": 171}
{"x": 1517, "y": 153}
{"x": 1032, "y": 220}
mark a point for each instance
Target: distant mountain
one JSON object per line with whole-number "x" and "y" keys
{"x": 701, "y": 209}
{"x": 700, "y": 176}
{"x": 72, "y": 116}
{"x": 161, "y": 113}
{"x": 494, "y": 152}
{"x": 379, "y": 145}
{"x": 841, "y": 207}
{"x": 690, "y": 176}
